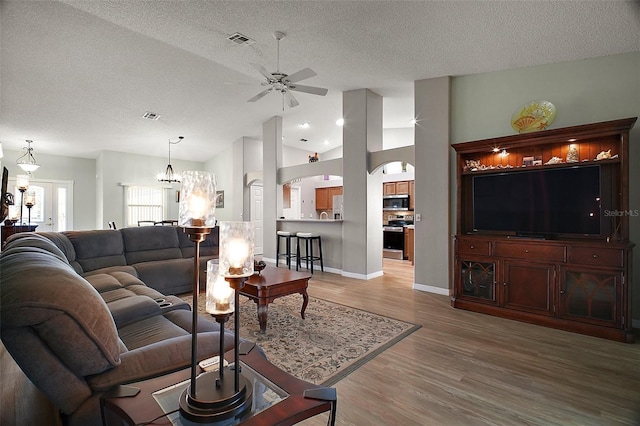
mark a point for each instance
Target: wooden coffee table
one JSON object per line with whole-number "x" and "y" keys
{"x": 273, "y": 283}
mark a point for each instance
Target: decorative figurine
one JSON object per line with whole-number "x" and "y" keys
{"x": 572, "y": 155}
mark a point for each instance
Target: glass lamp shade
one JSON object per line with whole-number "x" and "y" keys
{"x": 220, "y": 296}
{"x": 236, "y": 249}
{"x": 22, "y": 182}
{"x": 197, "y": 200}
{"x": 30, "y": 199}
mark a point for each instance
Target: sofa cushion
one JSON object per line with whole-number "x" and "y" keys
{"x": 97, "y": 249}
{"x": 31, "y": 239}
{"x": 149, "y": 243}
{"x": 63, "y": 243}
{"x": 132, "y": 309}
{"x": 80, "y": 316}
{"x": 167, "y": 276}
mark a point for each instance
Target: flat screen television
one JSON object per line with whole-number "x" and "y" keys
{"x": 539, "y": 203}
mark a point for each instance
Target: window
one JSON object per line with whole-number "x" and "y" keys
{"x": 144, "y": 203}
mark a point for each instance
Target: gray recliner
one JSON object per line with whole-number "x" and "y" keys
{"x": 72, "y": 344}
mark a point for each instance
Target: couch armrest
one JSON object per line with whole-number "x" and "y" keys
{"x": 158, "y": 359}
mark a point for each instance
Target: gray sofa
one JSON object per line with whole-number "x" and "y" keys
{"x": 83, "y": 311}
{"x": 160, "y": 256}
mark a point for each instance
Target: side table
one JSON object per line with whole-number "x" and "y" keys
{"x": 283, "y": 399}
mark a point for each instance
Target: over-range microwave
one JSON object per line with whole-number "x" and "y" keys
{"x": 395, "y": 202}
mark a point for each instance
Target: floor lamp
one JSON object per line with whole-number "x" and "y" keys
{"x": 22, "y": 182}
{"x": 30, "y": 201}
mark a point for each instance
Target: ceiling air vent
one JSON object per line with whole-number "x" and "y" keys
{"x": 150, "y": 115}
{"x": 241, "y": 39}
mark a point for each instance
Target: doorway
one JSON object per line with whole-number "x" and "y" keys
{"x": 53, "y": 207}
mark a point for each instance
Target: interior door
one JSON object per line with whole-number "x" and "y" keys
{"x": 257, "y": 216}
{"x": 52, "y": 208}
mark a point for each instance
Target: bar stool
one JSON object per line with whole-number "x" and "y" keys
{"x": 287, "y": 253}
{"x": 309, "y": 258}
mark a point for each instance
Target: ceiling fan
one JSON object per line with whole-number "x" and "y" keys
{"x": 284, "y": 83}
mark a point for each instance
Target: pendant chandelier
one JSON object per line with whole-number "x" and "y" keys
{"x": 27, "y": 162}
{"x": 169, "y": 176}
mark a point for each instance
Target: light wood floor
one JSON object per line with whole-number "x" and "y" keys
{"x": 464, "y": 368}
{"x": 460, "y": 368}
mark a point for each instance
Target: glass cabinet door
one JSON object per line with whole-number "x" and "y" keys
{"x": 590, "y": 296}
{"x": 477, "y": 280}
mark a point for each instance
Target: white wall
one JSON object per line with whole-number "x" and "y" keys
{"x": 119, "y": 168}
{"x": 81, "y": 171}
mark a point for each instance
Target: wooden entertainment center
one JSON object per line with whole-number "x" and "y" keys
{"x": 570, "y": 281}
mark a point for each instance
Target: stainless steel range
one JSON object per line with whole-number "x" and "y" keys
{"x": 393, "y": 236}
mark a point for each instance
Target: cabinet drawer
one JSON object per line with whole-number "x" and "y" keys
{"x": 553, "y": 253}
{"x": 597, "y": 256}
{"x": 474, "y": 247}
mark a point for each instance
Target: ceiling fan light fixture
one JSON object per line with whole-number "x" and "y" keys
{"x": 284, "y": 83}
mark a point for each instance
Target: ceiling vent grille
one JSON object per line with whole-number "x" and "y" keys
{"x": 240, "y": 39}
{"x": 150, "y": 115}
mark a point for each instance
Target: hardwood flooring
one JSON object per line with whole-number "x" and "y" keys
{"x": 465, "y": 368}
{"x": 460, "y": 368}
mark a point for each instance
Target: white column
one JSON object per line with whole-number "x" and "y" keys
{"x": 362, "y": 227}
{"x": 432, "y": 185}
{"x": 272, "y": 201}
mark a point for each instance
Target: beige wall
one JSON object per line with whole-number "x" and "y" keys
{"x": 585, "y": 91}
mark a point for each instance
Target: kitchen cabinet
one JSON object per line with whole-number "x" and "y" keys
{"x": 286, "y": 196}
{"x": 324, "y": 197}
{"x": 412, "y": 191}
{"x": 408, "y": 244}
{"x": 389, "y": 188}
{"x": 396, "y": 188}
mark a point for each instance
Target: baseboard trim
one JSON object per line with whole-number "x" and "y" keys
{"x": 432, "y": 289}
{"x": 362, "y": 276}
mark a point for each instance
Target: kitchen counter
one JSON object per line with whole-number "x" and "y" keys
{"x": 310, "y": 220}
{"x": 331, "y": 232}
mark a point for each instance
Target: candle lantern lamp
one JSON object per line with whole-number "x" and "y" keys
{"x": 30, "y": 201}
{"x": 22, "y": 182}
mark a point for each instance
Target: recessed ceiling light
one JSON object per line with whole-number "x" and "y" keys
{"x": 305, "y": 125}
{"x": 326, "y": 141}
{"x": 340, "y": 121}
{"x": 413, "y": 121}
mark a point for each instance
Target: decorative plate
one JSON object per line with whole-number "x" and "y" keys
{"x": 533, "y": 116}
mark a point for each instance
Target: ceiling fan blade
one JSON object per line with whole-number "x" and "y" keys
{"x": 291, "y": 100}
{"x": 262, "y": 70}
{"x": 300, "y": 75}
{"x": 260, "y": 95}
{"x": 308, "y": 89}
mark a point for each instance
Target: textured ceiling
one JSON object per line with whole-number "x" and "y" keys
{"x": 76, "y": 76}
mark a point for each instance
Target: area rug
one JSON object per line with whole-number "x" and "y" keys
{"x": 331, "y": 342}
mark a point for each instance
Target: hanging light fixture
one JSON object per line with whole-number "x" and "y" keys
{"x": 169, "y": 176}
{"x": 27, "y": 162}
